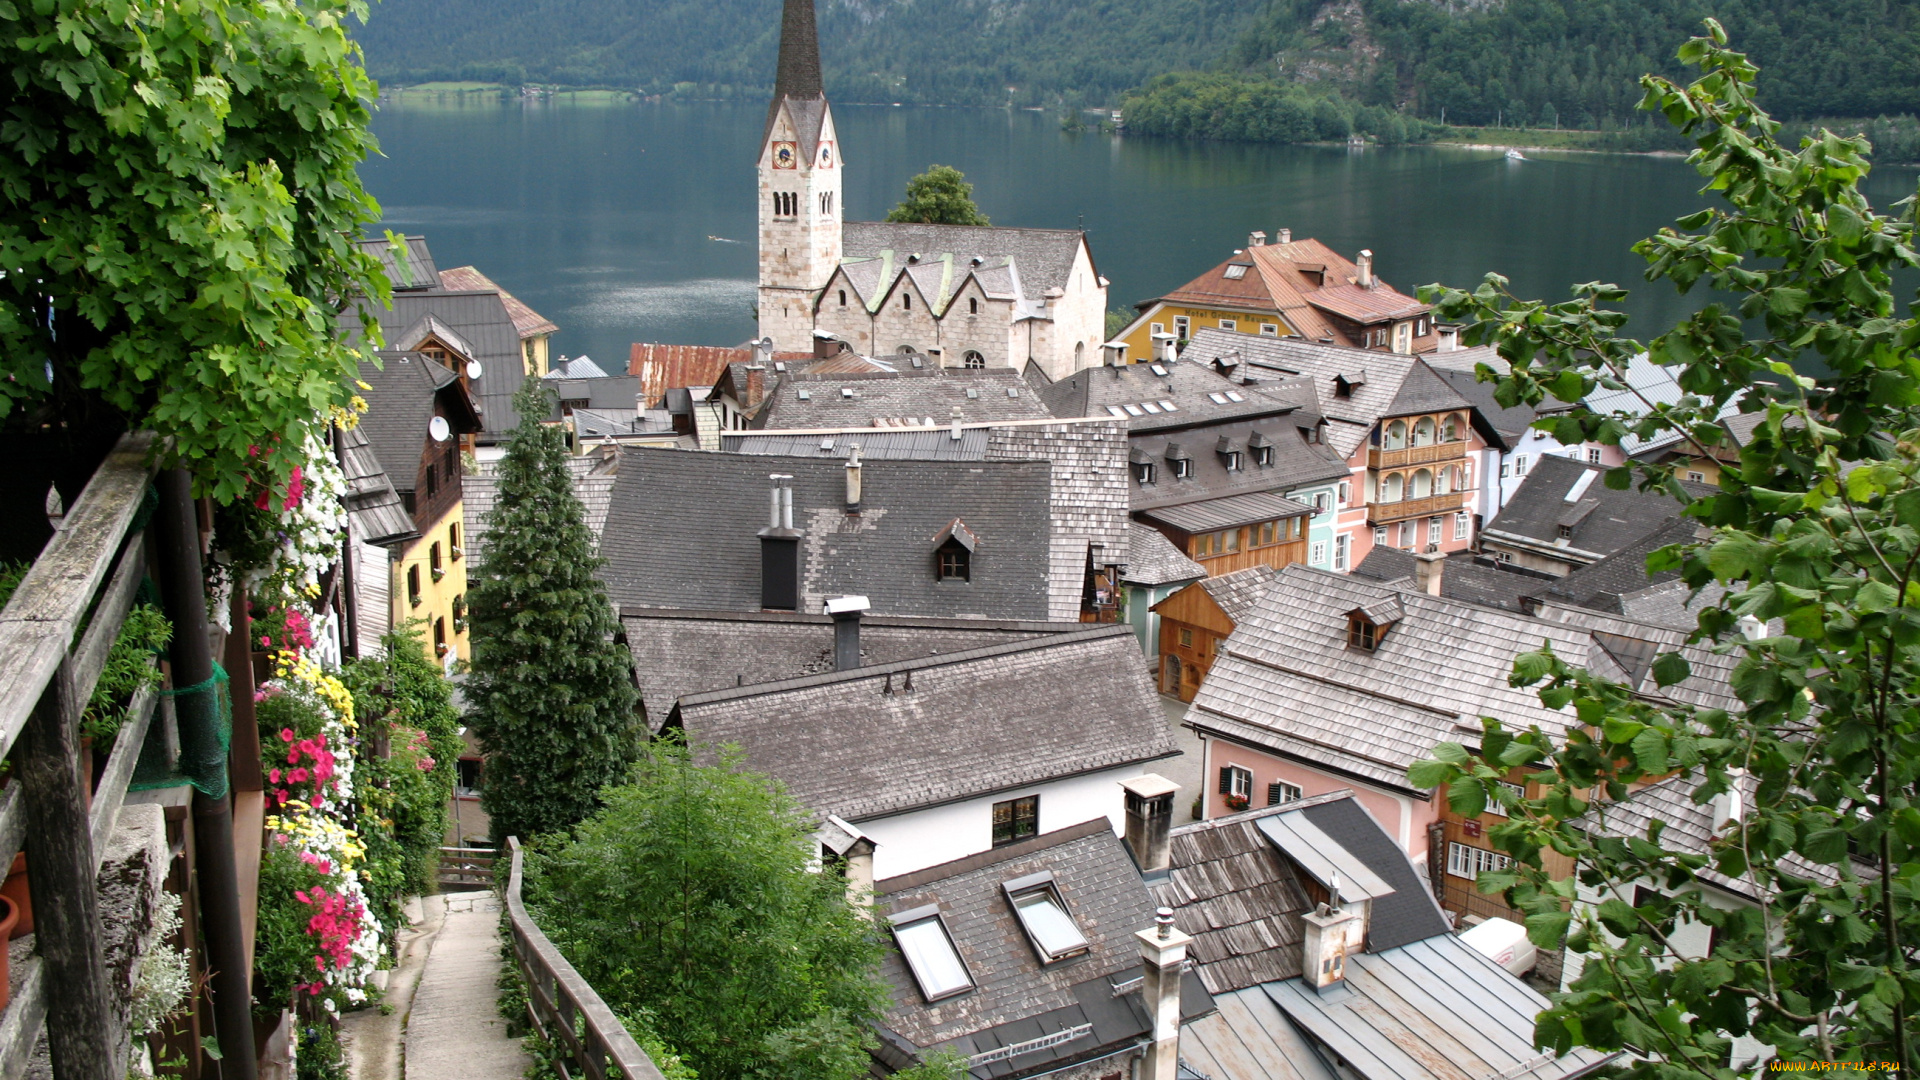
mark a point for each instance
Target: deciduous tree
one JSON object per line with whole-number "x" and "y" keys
{"x": 939, "y": 196}
{"x": 1815, "y": 534}
{"x": 553, "y": 702}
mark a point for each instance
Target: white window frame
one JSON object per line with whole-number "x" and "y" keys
{"x": 1593, "y": 455}
{"x": 1182, "y": 325}
{"x": 1433, "y": 530}
{"x": 1462, "y": 525}
{"x": 1696, "y": 477}
{"x": 1268, "y": 329}
{"x": 1506, "y": 469}
{"x": 1229, "y": 324}
{"x": 1380, "y": 536}
{"x": 1341, "y": 546}
{"x": 1239, "y": 782}
{"x": 1156, "y": 328}
{"x": 918, "y": 917}
{"x": 1288, "y": 792}
{"x": 1317, "y": 553}
{"x": 1469, "y": 862}
{"x": 1497, "y": 810}
{"x": 1321, "y": 503}
{"x": 1520, "y": 465}
{"x": 1345, "y": 493}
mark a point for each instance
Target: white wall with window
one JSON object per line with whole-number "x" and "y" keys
{"x": 918, "y": 839}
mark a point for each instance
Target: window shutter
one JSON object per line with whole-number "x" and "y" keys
{"x": 1273, "y": 794}
{"x": 1226, "y": 780}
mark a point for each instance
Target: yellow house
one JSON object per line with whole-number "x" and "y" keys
{"x": 1293, "y": 288}
{"x": 534, "y": 328}
{"x": 418, "y": 411}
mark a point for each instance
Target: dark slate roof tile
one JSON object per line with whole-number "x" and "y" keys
{"x": 400, "y": 399}
{"x": 1603, "y": 520}
{"x": 1155, "y": 561}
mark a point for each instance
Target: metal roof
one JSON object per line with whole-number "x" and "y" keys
{"x": 1322, "y": 857}
{"x": 876, "y": 444}
{"x": 1228, "y": 512}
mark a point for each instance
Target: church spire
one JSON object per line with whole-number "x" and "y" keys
{"x": 799, "y": 74}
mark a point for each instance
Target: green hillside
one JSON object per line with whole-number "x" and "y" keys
{"x": 962, "y": 52}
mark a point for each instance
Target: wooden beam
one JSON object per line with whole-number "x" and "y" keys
{"x": 119, "y": 772}
{"x": 20, "y": 1026}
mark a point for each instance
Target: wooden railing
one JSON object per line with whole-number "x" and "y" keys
{"x": 1380, "y": 513}
{"x": 1416, "y": 455}
{"x": 586, "y": 1036}
{"x": 467, "y": 866}
{"x": 90, "y": 571}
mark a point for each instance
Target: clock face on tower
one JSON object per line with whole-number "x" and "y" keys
{"x": 784, "y": 155}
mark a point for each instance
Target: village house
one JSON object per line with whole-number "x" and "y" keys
{"x": 1332, "y": 682}
{"x": 1155, "y": 570}
{"x": 934, "y": 758}
{"x": 1565, "y": 517}
{"x": 1410, "y": 441}
{"x": 417, "y": 412}
{"x": 470, "y": 331}
{"x": 1291, "y": 288}
{"x": 965, "y": 296}
{"x": 1327, "y": 959}
{"x": 534, "y": 329}
{"x": 1044, "y": 957}
{"x": 1033, "y": 528}
{"x": 1234, "y": 470}
{"x": 1196, "y": 622}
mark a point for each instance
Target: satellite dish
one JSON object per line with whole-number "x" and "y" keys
{"x": 473, "y": 370}
{"x": 439, "y": 429}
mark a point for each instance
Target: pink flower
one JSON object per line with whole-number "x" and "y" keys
{"x": 296, "y": 486}
{"x": 425, "y": 764}
{"x": 297, "y": 776}
{"x": 286, "y": 734}
{"x": 274, "y": 776}
{"x": 265, "y": 641}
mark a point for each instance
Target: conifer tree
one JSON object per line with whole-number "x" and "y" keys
{"x": 551, "y": 698}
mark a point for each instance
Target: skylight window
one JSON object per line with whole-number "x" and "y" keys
{"x": 1134, "y": 410}
{"x": 1116, "y": 410}
{"x": 1150, "y": 406}
{"x": 1235, "y": 395}
{"x": 1157, "y": 369}
{"x": 1044, "y": 915}
{"x": 1217, "y": 399}
{"x": 806, "y": 395}
{"x": 846, "y": 391}
{"x": 929, "y": 952}
{"x": 1236, "y": 271}
{"x": 1169, "y": 406}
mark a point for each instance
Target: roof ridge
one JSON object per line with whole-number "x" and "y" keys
{"x": 1110, "y": 630}
{"x": 980, "y": 860}
{"x": 807, "y": 618}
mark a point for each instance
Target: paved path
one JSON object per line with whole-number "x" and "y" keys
{"x": 454, "y": 1029}
{"x": 371, "y": 1038}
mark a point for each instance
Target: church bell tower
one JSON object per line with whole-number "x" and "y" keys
{"x": 800, "y": 188}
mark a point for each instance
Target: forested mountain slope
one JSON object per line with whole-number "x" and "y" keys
{"x": 928, "y": 51}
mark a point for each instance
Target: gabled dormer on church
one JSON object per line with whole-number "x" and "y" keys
{"x": 800, "y": 188}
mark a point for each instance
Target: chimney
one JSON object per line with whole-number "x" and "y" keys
{"x": 1149, "y": 820}
{"x": 1285, "y": 236}
{"x": 1163, "y": 348}
{"x": 845, "y": 611}
{"x": 1163, "y": 952}
{"x": 1256, "y": 239}
{"x": 780, "y": 550}
{"x": 1730, "y": 806}
{"x": 1115, "y": 353}
{"x": 853, "y": 479}
{"x": 844, "y": 844}
{"x": 956, "y": 423}
{"x": 1427, "y": 569}
{"x": 1329, "y": 933}
{"x": 1363, "y": 269}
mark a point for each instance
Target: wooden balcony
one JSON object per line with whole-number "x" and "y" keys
{"x": 1416, "y": 455}
{"x": 1384, "y": 513}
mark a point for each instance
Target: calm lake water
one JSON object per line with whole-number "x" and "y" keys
{"x": 600, "y": 215}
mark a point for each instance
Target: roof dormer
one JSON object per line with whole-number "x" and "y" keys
{"x": 1368, "y": 624}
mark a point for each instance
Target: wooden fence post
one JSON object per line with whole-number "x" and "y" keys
{"x": 66, "y": 909}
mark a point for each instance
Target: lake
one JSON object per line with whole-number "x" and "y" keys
{"x": 600, "y": 214}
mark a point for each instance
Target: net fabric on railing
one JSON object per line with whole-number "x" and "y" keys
{"x": 204, "y": 714}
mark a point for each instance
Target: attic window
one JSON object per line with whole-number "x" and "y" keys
{"x": 1115, "y": 410}
{"x": 1169, "y": 406}
{"x": 846, "y": 391}
{"x": 1236, "y": 271}
{"x": 1044, "y": 916}
{"x": 1235, "y": 395}
{"x": 953, "y": 552}
{"x": 1157, "y": 369}
{"x": 1362, "y": 634}
{"x": 1217, "y": 399}
{"x": 805, "y": 395}
{"x": 929, "y": 952}
{"x": 1263, "y": 455}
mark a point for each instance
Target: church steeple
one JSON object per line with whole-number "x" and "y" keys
{"x": 799, "y": 73}
{"x": 799, "y": 187}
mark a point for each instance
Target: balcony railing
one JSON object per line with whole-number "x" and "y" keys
{"x": 1416, "y": 455}
{"x": 1382, "y": 513}
{"x": 582, "y": 1030}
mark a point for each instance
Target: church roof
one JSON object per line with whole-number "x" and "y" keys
{"x": 1045, "y": 256}
{"x": 797, "y": 79}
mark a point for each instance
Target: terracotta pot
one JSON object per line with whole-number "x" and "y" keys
{"x": 15, "y": 890}
{"x": 9, "y": 915}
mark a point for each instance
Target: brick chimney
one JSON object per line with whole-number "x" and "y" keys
{"x": 1330, "y": 933}
{"x": 1363, "y": 269}
{"x": 1149, "y": 821}
{"x": 1163, "y": 952}
{"x": 845, "y": 611}
{"x": 780, "y": 550}
{"x": 1427, "y": 569}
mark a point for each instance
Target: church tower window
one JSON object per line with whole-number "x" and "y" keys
{"x": 974, "y": 360}
{"x": 906, "y": 301}
{"x": 843, "y": 298}
{"x": 973, "y": 305}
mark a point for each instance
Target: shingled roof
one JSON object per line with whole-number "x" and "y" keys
{"x": 899, "y": 398}
{"x": 1304, "y": 280}
{"x": 377, "y": 514}
{"x": 1356, "y": 388}
{"x": 592, "y": 476}
{"x": 917, "y": 733}
{"x": 1155, "y": 561}
{"x": 1296, "y": 463}
{"x": 1601, "y": 520}
{"x": 683, "y": 532}
{"x": 1463, "y": 576}
{"x": 1016, "y": 998}
{"x": 1045, "y": 257}
{"x": 1286, "y": 679}
{"x": 678, "y": 652}
{"x": 401, "y": 394}
{"x": 1169, "y": 395}
{"x": 1238, "y": 592}
{"x": 526, "y": 321}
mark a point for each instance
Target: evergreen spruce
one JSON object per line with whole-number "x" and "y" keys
{"x": 551, "y": 698}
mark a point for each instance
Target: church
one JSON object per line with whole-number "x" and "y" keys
{"x": 961, "y": 295}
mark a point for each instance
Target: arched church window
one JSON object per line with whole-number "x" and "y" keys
{"x": 973, "y": 305}
{"x": 906, "y": 301}
{"x": 973, "y": 360}
{"x": 1079, "y": 353}
{"x": 843, "y": 298}
{"x": 906, "y": 350}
